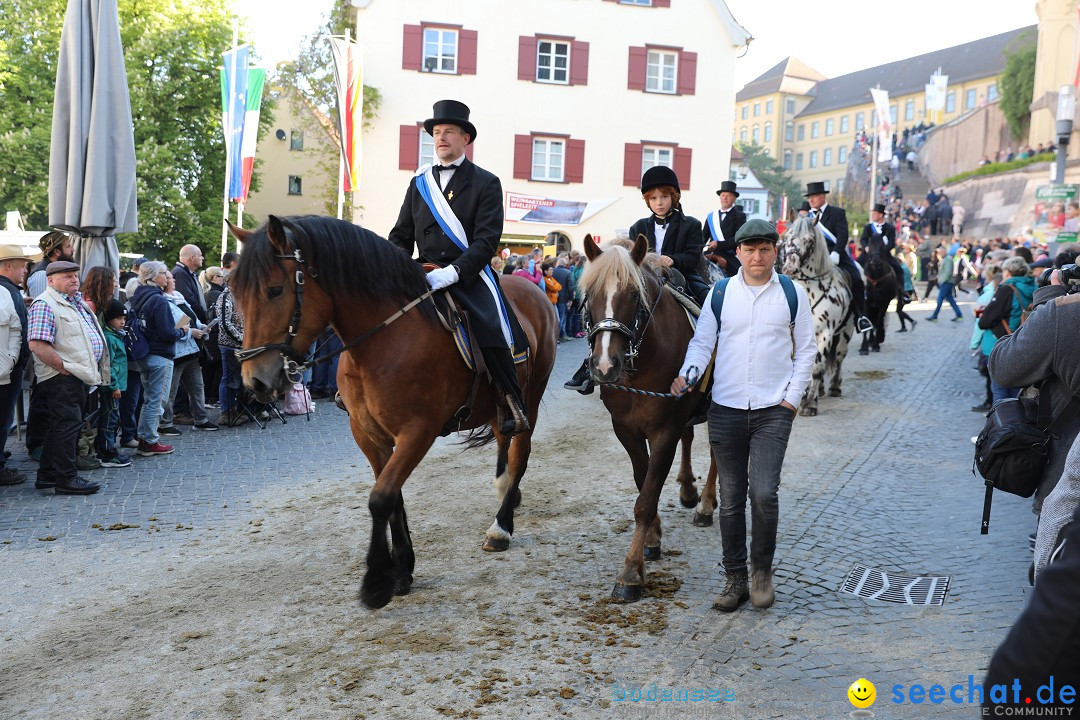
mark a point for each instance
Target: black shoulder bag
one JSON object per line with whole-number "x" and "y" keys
{"x": 1012, "y": 450}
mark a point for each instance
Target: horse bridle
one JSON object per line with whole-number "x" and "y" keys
{"x": 295, "y": 362}
{"x": 635, "y": 336}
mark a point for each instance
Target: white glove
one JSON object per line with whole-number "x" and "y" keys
{"x": 442, "y": 277}
{"x": 835, "y": 257}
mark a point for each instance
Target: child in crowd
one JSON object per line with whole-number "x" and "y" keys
{"x": 109, "y": 424}
{"x": 553, "y": 285}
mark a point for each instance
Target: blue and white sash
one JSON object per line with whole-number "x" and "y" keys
{"x": 714, "y": 229}
{"x": 825, "y": 231}
{"x": 448, "y": 221}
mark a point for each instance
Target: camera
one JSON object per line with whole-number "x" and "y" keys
{"x": 1070, "y": 277}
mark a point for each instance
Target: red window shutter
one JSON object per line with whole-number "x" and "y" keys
{"x": 639, "y": 59}
{"x": 412, "y": 48}
{"x": 467, "y": 52}
{"x": 661, "y": 3}
{"x": 469, "y": 151}
{"x": 575, "y": 161}
{"x": 579, "y": 63}
{"x": 522, "y": 157}
{"x": 687, "y": 72}
{"x": 409, "y": 147}
{"x": 527, "y": 58}
{"x": 632, "y": 164}
{"x": 682, "y": 167}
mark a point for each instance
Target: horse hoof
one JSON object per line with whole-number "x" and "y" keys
{"x": 403, "y": 585}
{"x": 496, "y": 544}
{"x": 702, "y": 520}
{"x": 834, "y": 392}
{"x": 876, "y": 349}
{"x": 652, "y": 553}
{"x": 808, "y": 412}
{"x": 864, "y": 352}
{"x": 626, "y": 593}
{"x": 689, "y": 502}
{"x": 375, "y": 595}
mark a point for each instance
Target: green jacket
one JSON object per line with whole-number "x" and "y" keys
{"x": 117, "y": 359}
{"x": 945, "y": 269}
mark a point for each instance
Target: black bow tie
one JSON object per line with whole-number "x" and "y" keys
{"x": 439, "y": 168}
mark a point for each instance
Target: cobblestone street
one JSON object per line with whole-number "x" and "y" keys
{"x": 220, "y": 581}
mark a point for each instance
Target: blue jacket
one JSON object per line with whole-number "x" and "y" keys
{"x": 155, "y": 311}
{"x": 1010, "y": 300}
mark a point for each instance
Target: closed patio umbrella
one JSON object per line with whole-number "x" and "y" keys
{"x": 92, "y": 152}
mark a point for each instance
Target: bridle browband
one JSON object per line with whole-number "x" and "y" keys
{"x": 296, "y": 362}
{"x": 635, "y": 335}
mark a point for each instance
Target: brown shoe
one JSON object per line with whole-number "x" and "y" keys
{"x": 735, "y": 591}
{"x": 761, "y": 588}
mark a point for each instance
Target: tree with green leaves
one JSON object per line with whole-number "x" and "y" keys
{"x": 771, "y": 174}
{"x": 172, "y": 52}
{"x": 1018, "y": 83}
{"x": 311, "y": 78}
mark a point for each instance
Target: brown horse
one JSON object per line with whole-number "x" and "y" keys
{"x": 638, "y": 338}
{"x": 403, "y": 386}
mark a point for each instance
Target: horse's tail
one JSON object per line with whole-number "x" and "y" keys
{"x": 478, "y": 437}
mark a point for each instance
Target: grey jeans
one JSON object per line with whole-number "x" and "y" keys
{"x": 749, "y": 447}
{"x": 187, "y": 370}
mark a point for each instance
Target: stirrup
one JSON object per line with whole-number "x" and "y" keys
{"x": 863, "y": 324}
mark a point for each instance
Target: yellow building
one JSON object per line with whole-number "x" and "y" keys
{"x": 808, "y": 122}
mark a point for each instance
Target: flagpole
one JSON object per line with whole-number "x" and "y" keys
{"x": 341, "y": 155}
{"x": 873, "y": 160}
{"x": 228, "y": 142}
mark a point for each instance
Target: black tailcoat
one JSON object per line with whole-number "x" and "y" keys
{"x": 475, "y": 196}
{"x": 725, "y": 246}
{"x": 682, "y": 243}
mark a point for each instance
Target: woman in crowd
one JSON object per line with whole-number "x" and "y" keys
{"x": 230, "y": 339}
{"x": 98, "y": 288}
{"x": 186, "y": 367}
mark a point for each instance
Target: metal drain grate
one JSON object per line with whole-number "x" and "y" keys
{"x": 877, "y": 584}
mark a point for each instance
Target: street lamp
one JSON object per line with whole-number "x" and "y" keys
{"x": 743, "y": 170}
{"x": 1066, "y": 109}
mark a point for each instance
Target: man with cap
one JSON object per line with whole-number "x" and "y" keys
{"x": 765, "y": 361}
{"x": 879, "y": 228}
{"x": 69, "y": 354}
{"x": 721, "y": 226}
{"x": 833, "y": 223}
{"x": 55, "y": 245}
{"x": 453, "y": 216}
{"x": 14, "y": 349}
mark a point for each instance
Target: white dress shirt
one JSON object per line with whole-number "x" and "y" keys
{"x": 444, "y": 176}
{"x": 755, "y": 367}
{"x": 661, "y": 232}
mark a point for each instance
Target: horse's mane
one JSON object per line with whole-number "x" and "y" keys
{"x": 614, "y": 269}
{"x": 351, "y": 262}
{"x": 819, "y": 259}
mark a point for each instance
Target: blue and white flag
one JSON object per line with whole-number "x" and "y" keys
{"x": 234, "y": 90}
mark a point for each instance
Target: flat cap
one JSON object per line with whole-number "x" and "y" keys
{"x": 755, "y": 229}
{"x": 61, "y": 266}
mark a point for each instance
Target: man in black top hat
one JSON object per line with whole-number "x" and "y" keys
{"x": 833, "y": 223}
{"x": 457, "y": 196}
{"x": 878, "y": 227}
{"x": 721, "y": 226}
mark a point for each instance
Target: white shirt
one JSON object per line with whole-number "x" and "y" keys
{"x": 754, "y": 365}
{"x": 444, "y": 176}
{"x": 661, "y": 233}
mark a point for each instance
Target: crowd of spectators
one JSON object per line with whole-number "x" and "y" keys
{"x": 558, "y": 276}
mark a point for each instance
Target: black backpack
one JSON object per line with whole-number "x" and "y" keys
{"x": 135, "y": 341}
{"x": 1013, "y": 448}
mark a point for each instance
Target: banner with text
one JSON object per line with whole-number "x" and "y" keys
{"x": 534, "y": 209}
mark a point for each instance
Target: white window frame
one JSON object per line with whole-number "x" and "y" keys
{"x": 841, "y": 155}
{"x": 552, "y": 155}
{"x": 445, "y": 52}
{"x": 426, "y": 150}
{"x": 750, "y": 206}
{"x": 296, "y": 185}
{"x": 551, "y": 58}
{"x": 826, "y": 157}
{"x": 757, "y": 109}
{"x": 742, "y": 134}
{"x": 973, "y": 95}
{"x": 991, "y": 92}
{"x": 787, "y": 159}
{"x": 768, "y": 107}
{"x": 791, "y": 106}
{"x": 789, "y": 131}
{"x": 798, "y": 161}
{"x": 811, "y": 161}
{"x": 657, "y": 61}
{"x": 829, "y": 127}
{"x": 909, "y": 109}
{"x": 755, "y": 134}
{"x": 768, "y": 132}
{"x": 860, "y": 121}
{"x": 653, "y": 155}
{"x": 844, "y": 124}
{"x": 815, "y": 128}
{"x": 745, "y": 111}
{"x": 950, "y": 101}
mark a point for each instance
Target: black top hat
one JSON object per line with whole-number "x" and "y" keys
{"x": 728, "y": 186}
{"x": 659, "y": 175}
{"x": 451, "y": 112}
{"x": 805, "y": 207}
{"x": 815, "y": 188}
{"x": 879, "y": 207}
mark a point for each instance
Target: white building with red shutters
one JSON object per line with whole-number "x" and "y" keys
{"x": 572, "y": 101}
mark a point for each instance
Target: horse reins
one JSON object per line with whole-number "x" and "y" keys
{"x": 295, "y": 362}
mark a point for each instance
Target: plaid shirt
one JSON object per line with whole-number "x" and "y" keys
{"x": 41, "y": 323}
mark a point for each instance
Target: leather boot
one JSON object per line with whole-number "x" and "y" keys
{"x": 761, "y": 588}
{"x": 512, "y": 419}
{"x": 735, "y": 591}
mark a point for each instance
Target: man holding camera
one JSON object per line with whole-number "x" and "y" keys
{"x": 1046, "y": 349}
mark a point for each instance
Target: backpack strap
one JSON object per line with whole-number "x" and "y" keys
{"x": 717, "y": 299}
{"x": 789, "y": 292}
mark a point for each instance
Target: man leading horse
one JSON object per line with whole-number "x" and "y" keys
{"x": 453, "y": 214}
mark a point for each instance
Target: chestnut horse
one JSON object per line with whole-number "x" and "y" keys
{"x": 638, "y": 338}
{"x": 403, "y": 386}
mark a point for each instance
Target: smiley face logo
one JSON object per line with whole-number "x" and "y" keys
{"x": 862, "y": 693}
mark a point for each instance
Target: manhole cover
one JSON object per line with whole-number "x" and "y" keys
{"x": 877, "y": 584}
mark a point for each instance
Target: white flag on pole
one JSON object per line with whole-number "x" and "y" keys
{"x": 884, "y": 123}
